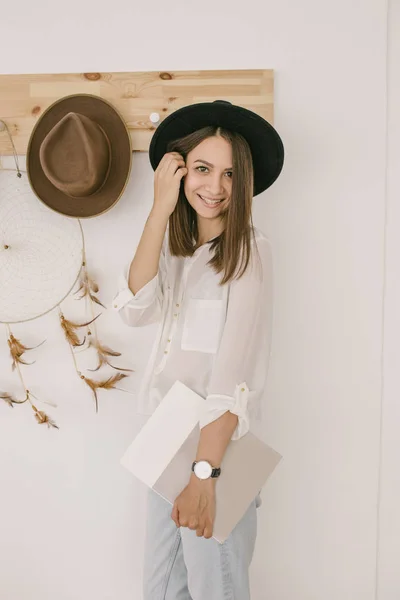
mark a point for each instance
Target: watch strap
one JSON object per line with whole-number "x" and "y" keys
{"x": 216, "y": 472}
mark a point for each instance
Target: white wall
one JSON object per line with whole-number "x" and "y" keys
{"x": 71, "y": 518}
{"x": 389, "y": 513}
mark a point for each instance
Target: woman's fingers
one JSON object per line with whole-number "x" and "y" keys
{"x": 171, "y": 167}
{"x": 181, "y": 173}
{"x": 175, "y": 515}
{"x": 170, "y": 159}
{"x": 208, "y": 530}
{"x": 200, "y": 532}
{"x": 174, "y": 165}
{"x": 167, "y": 182}
{"x": 202, "y": 529}
{"x": 193, "y": 523}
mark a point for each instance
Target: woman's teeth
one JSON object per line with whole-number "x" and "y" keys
{"x": 209, "y": 202}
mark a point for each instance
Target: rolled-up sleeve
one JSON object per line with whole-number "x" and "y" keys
{"x": 240, "y": 368}
{"x": 144, "y": 307}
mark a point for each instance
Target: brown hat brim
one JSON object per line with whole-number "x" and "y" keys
{"x": 105, "y": 115}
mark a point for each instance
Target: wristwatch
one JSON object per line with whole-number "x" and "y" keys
{"x": 203, "y": 470}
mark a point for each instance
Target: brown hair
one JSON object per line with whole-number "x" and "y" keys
{"x": 232, "y": 248}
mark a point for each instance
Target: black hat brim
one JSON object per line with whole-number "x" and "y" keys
{"x": 264, "y": 141}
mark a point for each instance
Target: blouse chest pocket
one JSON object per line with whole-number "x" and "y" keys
{"x": 202, "y": 325}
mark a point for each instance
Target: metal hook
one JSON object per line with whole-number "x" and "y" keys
{"x": 3, "y": 127}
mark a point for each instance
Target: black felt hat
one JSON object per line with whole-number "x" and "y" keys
{"x": 265, "y": 143}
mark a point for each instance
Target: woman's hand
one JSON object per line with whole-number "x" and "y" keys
{"x": 195, "y": 507}
{"x": 167, "y": 180}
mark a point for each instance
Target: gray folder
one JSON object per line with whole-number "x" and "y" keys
{"x": 162, "y": 454}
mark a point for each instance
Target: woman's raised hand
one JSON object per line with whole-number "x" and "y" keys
{"x": 167, "y": 180}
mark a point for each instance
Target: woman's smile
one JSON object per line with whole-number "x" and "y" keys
{"x": 210, "y": 203}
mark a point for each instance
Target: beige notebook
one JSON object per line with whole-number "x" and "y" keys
{"x": 162, "y": 454}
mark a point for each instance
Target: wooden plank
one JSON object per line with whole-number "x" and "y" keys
{"x": 23, "y": 98}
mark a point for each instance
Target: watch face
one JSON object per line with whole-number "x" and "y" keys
{"x": 203, "y": 469}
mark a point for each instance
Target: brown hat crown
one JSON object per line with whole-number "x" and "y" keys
{"x": 75, "y": 156}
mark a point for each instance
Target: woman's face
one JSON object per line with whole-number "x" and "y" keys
{"x": 208, "y": 182}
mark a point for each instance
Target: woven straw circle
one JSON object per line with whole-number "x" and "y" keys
{"x": 41, "y": 252}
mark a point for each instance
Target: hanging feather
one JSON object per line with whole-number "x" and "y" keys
{"x": 88, "y": 287}
{"x": 103, "y": 352}
{"x": 97, "y": 301}
{"x": 17, "y": 359}
{"x": 87, "y": 283}
{"x": 42, "y": 418}
{"x": 11, "y": 400}
{"x": 17, "y": 349}
{"x": 107, "y": 384}
{"x": 69, "y": 330}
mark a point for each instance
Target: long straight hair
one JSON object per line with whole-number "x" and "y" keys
{"x": 232, "y": 248}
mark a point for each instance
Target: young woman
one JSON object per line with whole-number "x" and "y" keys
{"x": 204, "y": 272}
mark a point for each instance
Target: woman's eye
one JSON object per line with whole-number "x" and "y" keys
{"x": 203, "y": 169}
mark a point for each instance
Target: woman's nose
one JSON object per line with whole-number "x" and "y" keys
{"x": 215, "y": 185}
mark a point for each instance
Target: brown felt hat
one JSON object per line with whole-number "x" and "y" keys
{"x": 79, "y": 156}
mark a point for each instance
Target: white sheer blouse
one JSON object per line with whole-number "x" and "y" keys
{"x": 215, "y": 339}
